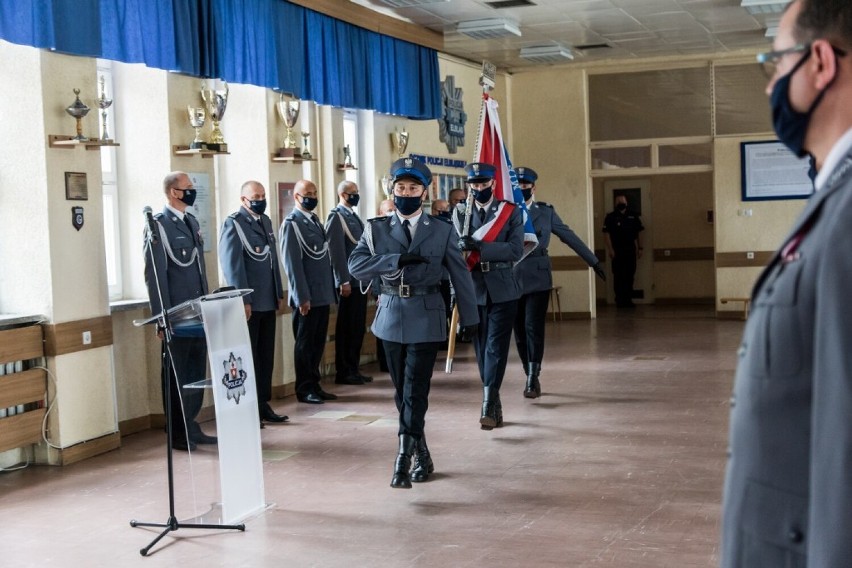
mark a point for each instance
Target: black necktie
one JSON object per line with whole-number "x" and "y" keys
{"x": 406, "y": 227}
{"x": 189, "y": 226}
{"x": 482, "y": 215}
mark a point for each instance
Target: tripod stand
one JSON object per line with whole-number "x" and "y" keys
{"x": 164, "y": 322}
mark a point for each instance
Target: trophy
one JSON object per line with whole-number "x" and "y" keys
{"x": 347, "y": 159}
{"x": 306, "y": 155}
{"x": 400, "y": 142}
{"x": 288, "y": 110}
{"x": 197, "y": 115}
{"x": 78, "y": 110}
{"x": 103, "y": 104}
{"x": 216, "y": 102}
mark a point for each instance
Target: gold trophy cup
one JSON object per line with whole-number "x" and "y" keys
{"x": 288, "y": 109}
{"x": 197, "y": 116}
{"x": 216, "y": 103}
{"x": 78, "y": 110}
{"x": 306, "y": 155}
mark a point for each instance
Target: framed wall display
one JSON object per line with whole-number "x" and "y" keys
{"x": 76, "y": 187}
{"x": 286, "y": 199}
{"x": 771, "y": 171}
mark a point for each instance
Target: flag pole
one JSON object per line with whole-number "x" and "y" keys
{"x": 487, "y": 80}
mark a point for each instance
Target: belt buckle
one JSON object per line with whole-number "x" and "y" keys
{"x": 485, "y": 266}
{"x": 404, "y": 291}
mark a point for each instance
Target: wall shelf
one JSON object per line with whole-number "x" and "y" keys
{"x": 66, "y": 141}
{"x": 343, "y": 168}
{"x": 187, "y": 151}
{"x": 291, "y": 159}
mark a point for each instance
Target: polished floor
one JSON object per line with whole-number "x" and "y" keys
{"x": 619, "y": 464}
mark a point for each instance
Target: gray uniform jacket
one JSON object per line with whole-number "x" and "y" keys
{"x": 422, "y": 318}
{"x": 534, "y": 271}
{"x": 338, "y": 241}
{"x": 306, "y": 261}
{"x": 177, "y": 283}
{"x": 788, "y": 490}
{"x": 246, "y": 265}
{"x": 508, "y": 246}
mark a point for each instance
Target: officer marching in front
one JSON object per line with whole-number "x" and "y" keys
{"x": 409, "y": 251}
{"x": 536, "y": 279}
{"x": 495, "y": 241}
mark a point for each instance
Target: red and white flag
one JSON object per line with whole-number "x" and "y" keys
{"x": 491, "y": 150}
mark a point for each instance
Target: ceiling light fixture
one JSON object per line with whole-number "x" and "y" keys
{"x": 488, "y": 29}
{"x": 546, "y": 54}
{"x": 757, "y": 7}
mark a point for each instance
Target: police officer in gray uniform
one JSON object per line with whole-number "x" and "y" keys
{"x": 495, "y": 242}
{"x": 176, "y": 262}
{"x": 409, "y": 251}
{"x": 535, "y": 278}
{"x": 344, "y": 228}
{"x": 249, "y": 258}
{"x": 304, "y": 248}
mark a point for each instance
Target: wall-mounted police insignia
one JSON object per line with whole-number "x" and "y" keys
{"x": 77, "y": 217}
{"x": 452, "y": 122}
{"x": 234, "y": 378}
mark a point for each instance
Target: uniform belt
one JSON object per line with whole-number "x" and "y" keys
{"x": 406, "y": 291}
{"x": 538, "y": 252}
{"x": 489, "y": 266}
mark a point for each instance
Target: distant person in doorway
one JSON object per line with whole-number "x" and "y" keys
{"x": 622, "y": 230}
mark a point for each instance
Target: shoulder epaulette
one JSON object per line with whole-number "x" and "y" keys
{"x": 545, "y": 204}
{"x": 378, "y": 219}
{"x": 234, "y": 214}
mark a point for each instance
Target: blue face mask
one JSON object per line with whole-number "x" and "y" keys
{"x": 790, "y": 125}
{"x": 188, "y": 196}
{"x": 352, "y": 199}
{"x": 309, "y": 203}
{"x": 483, "y": 195}
{"x": 258, "y": 206}
{"x": 407, "y": 205}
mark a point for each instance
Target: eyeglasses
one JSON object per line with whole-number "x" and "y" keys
{"x": 769, "y": 61}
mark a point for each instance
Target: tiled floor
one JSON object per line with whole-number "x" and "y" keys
{"x": 619, "y": 464}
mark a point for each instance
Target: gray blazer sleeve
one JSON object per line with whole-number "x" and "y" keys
{"x": 292, "y": 256}
{"x": 231, "y": 258}
{"x": 337, "y": 247}
{"x": 570, "y": 238}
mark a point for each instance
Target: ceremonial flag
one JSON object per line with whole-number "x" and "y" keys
{"x": 491, "y": 150}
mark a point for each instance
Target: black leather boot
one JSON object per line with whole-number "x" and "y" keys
{"x": 488, "y": 420}
{"x": 498, "y": 410}
{"x": 533, "y": 388}
{"x": 401, "y": 478}
{"x": 423, "y": 465}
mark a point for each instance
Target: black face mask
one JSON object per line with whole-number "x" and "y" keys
{"x": 621, "y": 207}
{"x": 310, "y": 203}
{"x": 188, "y": 196}
{"x": 527, "y": 193}
{"x": 407, "y": 205}
{"x": 483, "y": 195}
{"x": 352, "y": 199}
{"x": 258, "y": 206}
{"x": 445, "y": 214}
{"x": 790, "y": 125}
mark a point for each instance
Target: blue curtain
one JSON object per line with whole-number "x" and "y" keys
{"x": 269, "y": 43}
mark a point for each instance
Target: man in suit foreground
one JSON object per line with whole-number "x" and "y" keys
{"x": 409, "y": 252}
{"x": 304, "y": 248}
{"x": 536, "y": 279}
{"x": 174, "y": 273}
{"x": 788, "y": 489}
{"x": 249, "y": 258}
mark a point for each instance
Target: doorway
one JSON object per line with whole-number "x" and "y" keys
{"x": 638, "y": 194}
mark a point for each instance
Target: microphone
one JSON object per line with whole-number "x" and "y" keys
{"x": 152, "y": 227}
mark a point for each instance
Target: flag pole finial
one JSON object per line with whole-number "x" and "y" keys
{"x": 488, "y": 78}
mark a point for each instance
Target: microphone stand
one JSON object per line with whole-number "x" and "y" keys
{"x": 163, "y": 321}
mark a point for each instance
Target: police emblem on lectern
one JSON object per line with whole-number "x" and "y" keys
{"x": 234, "y": 378}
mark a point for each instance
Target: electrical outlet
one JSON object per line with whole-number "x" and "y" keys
{"x": 750, "y": 255}
{"x": 87, "y": 338}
